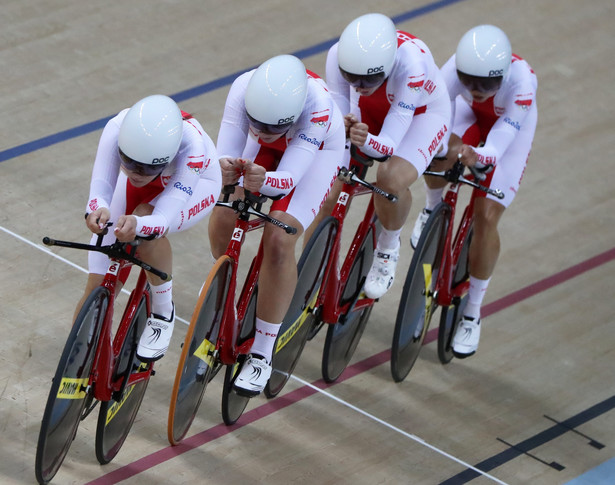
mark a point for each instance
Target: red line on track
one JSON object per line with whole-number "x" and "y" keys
{"x": 297, "y": 395}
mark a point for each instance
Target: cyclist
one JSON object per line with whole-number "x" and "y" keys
{"x": 156, "y": 171}
{"x": 493, "y": 93}
{"x": 281, "y": 135}
{"x": 396, "y": 106}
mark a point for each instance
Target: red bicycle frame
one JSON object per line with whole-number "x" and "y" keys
{"x": 108, "y": 349}
{"x": 444, "y": 292}
{"x": 229, "y": 325}
{"x": 336, "y": 278}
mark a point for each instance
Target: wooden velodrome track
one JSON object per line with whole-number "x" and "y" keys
{"x": 534, "y": 405}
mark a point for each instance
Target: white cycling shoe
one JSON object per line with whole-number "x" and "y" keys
{"x": 465, "y": 342}
{"x": 253, "y": 376}
{"x": 382, "y": 273}
{"x": 156, "y": 337}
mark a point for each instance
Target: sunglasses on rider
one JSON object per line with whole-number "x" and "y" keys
{"x": 365, "y": 81}
{"x": 140, "y": 168}
{"x": 269, "y": 128}
{"x": 481, "y": 84}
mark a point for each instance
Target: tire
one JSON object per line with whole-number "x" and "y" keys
{"x": 116, "y": 416}
{"x": 233, "y": 404}
{"x": 69, "y": 389}
{"x": 341, "y": 342}
{"x": 198, "y": 362}
{"x": 300, "y": 318}
{"x": 416, "y": 305}
{"x": 343, "y": 337}
{"x": 461, "y": 272}
{"x": 449, "y": 319}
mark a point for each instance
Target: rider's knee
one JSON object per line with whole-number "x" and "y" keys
{"x": 396, "y": 175}
{"x": 487, "y": 214}
{"x": 278, "y": 246}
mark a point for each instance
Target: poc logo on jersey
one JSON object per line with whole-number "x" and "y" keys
{"x": 496, "y": 72}
{"x": 158, "y": 161}
{"x": 283, "y": 121}
{"x": 375, "y": 70}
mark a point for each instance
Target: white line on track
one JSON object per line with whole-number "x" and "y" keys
{"x": 396, "y": 429}
{"x": 64, "y": 260}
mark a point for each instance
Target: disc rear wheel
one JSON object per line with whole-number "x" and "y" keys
{"x": 300, "y": 318}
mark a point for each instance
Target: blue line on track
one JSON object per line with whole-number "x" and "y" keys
{"x": 198, "y": 90}
{"x": 533, "y": 442}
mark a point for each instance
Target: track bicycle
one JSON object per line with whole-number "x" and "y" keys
{"x": 327, "y": 293}
{"x": 97, "y": 365}
{"x": 438, "y": 275}
{"x": 221, "y": 331}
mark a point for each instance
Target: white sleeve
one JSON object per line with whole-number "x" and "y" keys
{"x": 400, "y": 114}
{"x": 519, "y": 97}
{"x": 498, "y": 140}
{"x": 449, "y": 74}
{"x": 293, "y": 165}
{"x": 408, "y": 97}
{"x": 234, "y": 126}
{"x": 106, "y": 168}
{"x": 306, "y": 139}
{"x": 394, "y": 128}
{"x": 338, "y": 87}
{"x": 193, "y": 162}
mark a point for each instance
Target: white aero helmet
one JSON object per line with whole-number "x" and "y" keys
{"x": 276, "y": 94}
{"x": 151, "y": 131}
{"x": 484, "y": 51}
{"x": 368, "y": 45}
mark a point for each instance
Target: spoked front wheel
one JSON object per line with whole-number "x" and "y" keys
{"x": 70, "y": 387}
{"x": 198, "y": 361}
{"x": 343, "y": 337}
{"x": 417, "y": 305}
{"x": 300, "y": 318}
{"x": 116, "y": 417}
